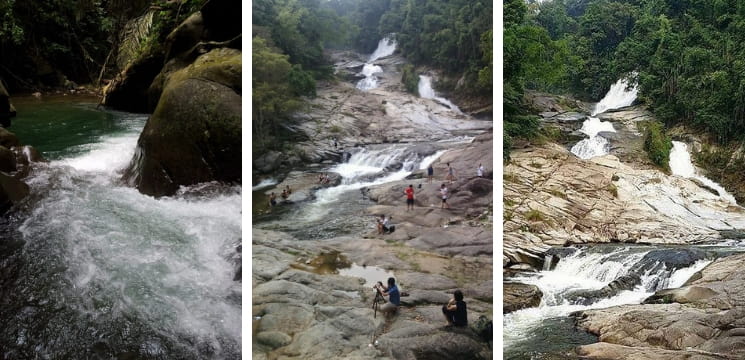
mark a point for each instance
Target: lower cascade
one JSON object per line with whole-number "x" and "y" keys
{"x": 106, "y": 269}
{"x": 596, "y": 277}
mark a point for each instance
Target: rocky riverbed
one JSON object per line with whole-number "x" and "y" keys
{"x": 311, "y": 294}
{"x": 553, "y": 199}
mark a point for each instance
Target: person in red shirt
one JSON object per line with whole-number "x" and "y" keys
{"x": 409, "y": 197}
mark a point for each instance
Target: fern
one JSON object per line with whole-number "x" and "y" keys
{"x": 133, "y": 38}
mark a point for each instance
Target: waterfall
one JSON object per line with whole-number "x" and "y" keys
{"x": 264, "y": 183}
{"x": 681, "y": 165}
{"x": 595, "y": 145}
{"x": 386, "y": 47}
{"x": 591, "y": 269}
{"x": 426, "y": 91}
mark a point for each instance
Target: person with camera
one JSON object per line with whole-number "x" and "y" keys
{"x": 394, "y": 297}
{"x": 455, "y": 310}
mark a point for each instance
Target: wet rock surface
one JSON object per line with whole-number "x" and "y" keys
{"x": 704, "y": 318}
{"x": 520, "y": 296}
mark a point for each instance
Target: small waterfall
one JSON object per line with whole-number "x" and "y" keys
{"x": 264, "y": 183}
{"x": 547, "y": 261}
{"x": 430, "y": 159}
{"x": 591, "y": 270}
{"x": 617, "y": 97}
{"x": 386, "y": 47}
{"x": 426, "y": 91}
{"x": 681, "y": 165}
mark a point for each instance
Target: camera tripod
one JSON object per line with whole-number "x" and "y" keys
{"x": 377, "y": 301}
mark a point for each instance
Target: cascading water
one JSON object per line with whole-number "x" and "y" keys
{"x": 386, "y": 47}
{"x": 681, "y": 165}
{"x": 426, "y": 91}
{"x": 589, "y": 270}
{"x": 106, "y": 272}
{"x": 618, "y": 96}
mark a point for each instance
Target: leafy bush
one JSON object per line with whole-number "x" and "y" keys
{"x": 657, "y": 144}
{"x": 410, "y": 79}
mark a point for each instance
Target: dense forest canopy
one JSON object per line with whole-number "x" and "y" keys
{"x": 687, "y": 56}
{"x": 453, "y": 36}
{"x": 48, "y": 43}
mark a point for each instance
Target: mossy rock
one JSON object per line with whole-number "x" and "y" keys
{"x": 194, "y": 135}
{"x": 128, "y": 91}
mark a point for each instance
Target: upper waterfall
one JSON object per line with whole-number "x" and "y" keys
{"x": 386, "y": 46}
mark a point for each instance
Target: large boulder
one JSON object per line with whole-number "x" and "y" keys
{"x": 128, "y": 91}
{"x": 6, "y": 108}
{"x": 194, "y": 134}
{"x": 12, "y": 191}
{"x": 7, "y": 160}
{"x": 520, "y": 296}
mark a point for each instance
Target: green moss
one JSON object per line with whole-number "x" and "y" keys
{"x": 535, "y": 215}
{"x": 613, "y": 190}
{"x": 657, "y": 144}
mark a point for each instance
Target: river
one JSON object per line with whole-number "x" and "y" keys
{"x": 94, "y": 269}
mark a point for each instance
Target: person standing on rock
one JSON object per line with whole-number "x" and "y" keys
{"x": 394, "y": 297}
{"x": 444, "y": 195}
{"x": 455, "y": 310}
{"x": 430, "y": 173}
{"x": 480, "y": 171}
{"x": 409, "y": 197}
{"x": 451, "y": 174}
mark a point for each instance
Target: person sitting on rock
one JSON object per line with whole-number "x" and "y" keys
{"x": 380, "y": 222}
{"x": 394, "y": 297}
{"x": 272, "y": 199}
{"x": 455, "y": 310}
{"x": 284, "y": 194}
{"x": 388, "y": 226}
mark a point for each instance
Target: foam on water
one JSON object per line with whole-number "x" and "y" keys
{"x": 589, "y": 271}
{"x": 165, "y": 262}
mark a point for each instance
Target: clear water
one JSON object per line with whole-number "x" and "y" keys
{"x": 95, "y": 269}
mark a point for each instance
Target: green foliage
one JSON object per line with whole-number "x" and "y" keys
{"x": 657, "y": 144}
{"x": 301, "y": 82}
{"x": 410, "y": 79}
{"x": 272, "y": 95}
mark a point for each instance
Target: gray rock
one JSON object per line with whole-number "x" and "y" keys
{"x": 273, "y": 339}
{"x": 520, "y": 296}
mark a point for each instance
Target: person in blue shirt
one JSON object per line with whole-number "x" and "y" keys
{"x": 455, "y": 310}
{"x": 394, "y": 297}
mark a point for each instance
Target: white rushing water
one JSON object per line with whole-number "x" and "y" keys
{"x": 264, "y": 184}
{"x": 386, "y": 47}
{"x": 426, "y": 91}
{"x": 681, "y": 165}
{"x": 589, "y": 272}
{"x": 618, "y": 96}
{"x": 164, "y": 263}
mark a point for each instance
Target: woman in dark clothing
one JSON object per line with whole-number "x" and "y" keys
{"x": 455, "y": 310}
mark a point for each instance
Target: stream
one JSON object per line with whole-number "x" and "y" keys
{"x": 94, "y": 269}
